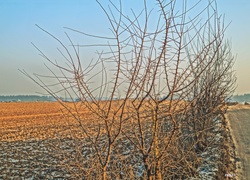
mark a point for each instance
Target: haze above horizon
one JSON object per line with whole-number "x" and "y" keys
{"x": 18, "y": 30}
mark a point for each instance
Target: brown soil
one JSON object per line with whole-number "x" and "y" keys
{"x": 239, "y": 123}
{"x": 31, "y": 134}
{"x": 36, "y": 120}
{"x": 29, "y": 123}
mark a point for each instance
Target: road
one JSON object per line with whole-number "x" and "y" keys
{"x": 239, "y": 122}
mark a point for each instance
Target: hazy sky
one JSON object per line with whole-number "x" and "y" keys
{"x": 18, "y": 30}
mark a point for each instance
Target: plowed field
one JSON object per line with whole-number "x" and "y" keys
{"x": 29, "y": 134}
{"x": 37, "y": 120}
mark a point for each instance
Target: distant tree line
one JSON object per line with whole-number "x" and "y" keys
{"x": 26, "y": 98}
{"x": 241, "y": 98}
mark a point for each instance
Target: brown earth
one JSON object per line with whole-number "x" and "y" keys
{"x": 30, "y": 134}
{"x": 239, "y": 123}
{"x": 27, "y": 128}
{"x": 36, "y": 120}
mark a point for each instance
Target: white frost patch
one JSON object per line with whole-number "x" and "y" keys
{"x": 13, "y": 160}
{"x": 211, "y": 157}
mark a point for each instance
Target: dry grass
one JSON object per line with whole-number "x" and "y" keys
{"x": 238, "y": 107}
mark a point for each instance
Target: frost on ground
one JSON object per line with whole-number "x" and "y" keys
{"x": 35, "y": 159}
{"x": 211, "y": 156}
{"x": 216, "y": 158}
{"x": 55, "y": 156}
{"x": 30, "y": 159}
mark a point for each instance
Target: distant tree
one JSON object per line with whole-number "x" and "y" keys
{"x": 241, "y": 98}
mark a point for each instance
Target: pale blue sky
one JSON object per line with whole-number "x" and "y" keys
{"x": 18, "y": 30}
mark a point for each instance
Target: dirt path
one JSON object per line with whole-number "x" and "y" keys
{"x": 239, "y": 120}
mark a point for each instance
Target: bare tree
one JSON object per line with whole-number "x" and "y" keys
{"x": 154, "y": 111}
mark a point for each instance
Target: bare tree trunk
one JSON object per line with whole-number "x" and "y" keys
{"x": 156, "y": 130}
{"x": 104, "y": 174}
